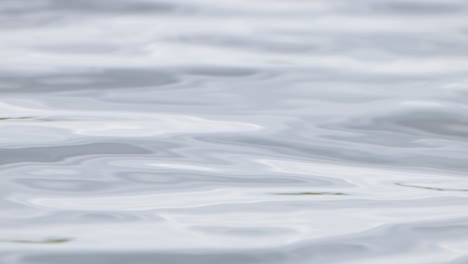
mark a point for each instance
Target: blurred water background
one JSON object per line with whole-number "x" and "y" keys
{"x": 231, "y": 131}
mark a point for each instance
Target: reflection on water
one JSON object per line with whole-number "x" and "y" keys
{"x": 262, "y": 131}
{"x": 312, "y": 193}
{"x": 45, "y": 241}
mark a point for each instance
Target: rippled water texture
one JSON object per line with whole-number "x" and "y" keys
{"x": 233, "y": 132}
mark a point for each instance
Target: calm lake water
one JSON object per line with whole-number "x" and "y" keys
{"x": 233, "y": 132}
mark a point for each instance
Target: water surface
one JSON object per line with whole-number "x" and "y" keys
{"x": 261, "y": 131}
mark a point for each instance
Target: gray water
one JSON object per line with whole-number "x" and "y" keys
{"x": 231, "y": 131}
